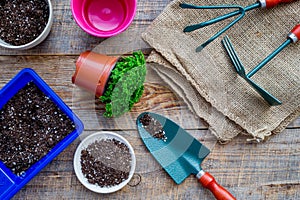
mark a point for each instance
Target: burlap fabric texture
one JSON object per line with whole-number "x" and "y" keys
{"x": 207, "y": 80}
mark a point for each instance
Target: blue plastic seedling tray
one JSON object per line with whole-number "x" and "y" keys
{"x": 9, "y": 182}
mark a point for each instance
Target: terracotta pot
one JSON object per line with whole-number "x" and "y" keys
{"x": 93, "y": 71}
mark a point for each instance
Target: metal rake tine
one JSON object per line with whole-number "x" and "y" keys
{"x": 241, "y": 71}
{"x": 220, "y": 18}
{"x": 292, "y": 37}
{"x": 212, "y": 21}
{"x": 189, "y": 6}
{"x": 228, "y": 26}
{"x": 258, "y": 4}
{"x": 273, "y": 101}
{"x": 233, "y": 56}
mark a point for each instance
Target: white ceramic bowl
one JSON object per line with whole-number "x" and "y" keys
{"x": 37, "y": 40}
{"x": 91, "y": 139}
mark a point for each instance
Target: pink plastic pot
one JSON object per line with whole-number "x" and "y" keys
{"x": 103, "y": 18}
{"x": 93, "y": 71}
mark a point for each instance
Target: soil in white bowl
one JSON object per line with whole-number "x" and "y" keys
{"x": 106, "y": 162}
{"x": 22, "y": 21}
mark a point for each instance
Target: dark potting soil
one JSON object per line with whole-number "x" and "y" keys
{"x": 106, "y": 163}
{"x": 22, "y": 21}
{"x": 153, "y": 127}
{"x": 31, "y": 124}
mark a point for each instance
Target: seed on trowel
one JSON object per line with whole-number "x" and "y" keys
{"x": 106, "y": 163}
{"x": 153, "y": 127}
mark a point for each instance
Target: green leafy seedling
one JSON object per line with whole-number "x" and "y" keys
{"x": 125, "y": 85}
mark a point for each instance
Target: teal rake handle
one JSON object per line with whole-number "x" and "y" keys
{"x": 241, "y": 11}
{"x": 259, "y": 4}
{"x": 293, "y": 37}
{"x": 217, "y": 19}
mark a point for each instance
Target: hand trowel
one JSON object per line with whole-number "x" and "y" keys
{"x": 179, "y": 153}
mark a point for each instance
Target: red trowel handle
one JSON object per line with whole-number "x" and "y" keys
{"x": 273, "y": 3}
{"x": 295, "y": 33}
{"x": 209, "y": 182}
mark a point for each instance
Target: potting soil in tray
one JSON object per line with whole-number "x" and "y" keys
{"x": 22, "y": 21}
{"x": 106, "y": 162}
{"x": 31, "y": 124}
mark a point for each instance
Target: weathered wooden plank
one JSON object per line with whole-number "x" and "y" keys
{"x": 250, "y": 171}
{"x": 58, "y": 70}
{"x": 66, "y": 37}
{"x": 269, "y": 170}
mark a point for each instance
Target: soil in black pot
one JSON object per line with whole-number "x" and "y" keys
{"x": 153, "y": 127}
{"x": 106, "y": 163}
{"x": 31, "y": 124}
{"x": 22, "y": 21}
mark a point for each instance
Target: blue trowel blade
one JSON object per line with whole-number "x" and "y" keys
{"x": 180, "y": 154}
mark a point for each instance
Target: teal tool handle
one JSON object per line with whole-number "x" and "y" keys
{"x": 209, "y": 182}
{"x": 273, "y": 3}
{"x": 293, "y": 37}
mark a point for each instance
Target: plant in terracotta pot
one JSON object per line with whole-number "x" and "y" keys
{"x": 117, "y": 81}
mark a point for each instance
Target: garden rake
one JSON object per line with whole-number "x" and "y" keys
{"x": 240, "y": 11}
{"x": 292, "y": 37}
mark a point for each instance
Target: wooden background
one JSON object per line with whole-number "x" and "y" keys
{"x": 270, "y": 170}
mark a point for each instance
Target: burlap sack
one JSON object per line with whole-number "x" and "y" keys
{"x": 208, "y": 81}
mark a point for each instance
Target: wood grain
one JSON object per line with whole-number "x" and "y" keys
{"x": 66, "y": 38}
{"x": 259, "y": 171}
{"x": 269, "y": 170}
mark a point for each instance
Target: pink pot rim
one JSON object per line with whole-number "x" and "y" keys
{"x": 103, "y": 34}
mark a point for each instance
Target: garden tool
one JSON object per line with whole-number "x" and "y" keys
{"x": 240, "y": 11}
{"x": 292, "y": 37}
{"x": 179, "y": 153}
